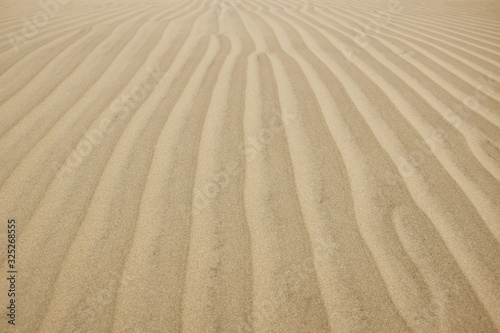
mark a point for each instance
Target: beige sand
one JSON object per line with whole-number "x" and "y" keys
{"x": 251, "y": 165}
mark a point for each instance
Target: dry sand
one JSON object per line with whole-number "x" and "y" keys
{"x": 251, "y": 166}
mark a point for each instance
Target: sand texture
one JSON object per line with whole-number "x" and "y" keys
{"x": 251, "y": 165}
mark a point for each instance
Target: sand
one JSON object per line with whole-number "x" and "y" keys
{"x": 251, "y": 166}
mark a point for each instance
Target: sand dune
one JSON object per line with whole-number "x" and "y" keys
{"x": 251, "y": 166}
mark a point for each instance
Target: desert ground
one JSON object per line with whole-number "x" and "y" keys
{"x": 250, "y": 166}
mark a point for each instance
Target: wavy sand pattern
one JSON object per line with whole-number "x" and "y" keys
{"x": 252, "y": 166}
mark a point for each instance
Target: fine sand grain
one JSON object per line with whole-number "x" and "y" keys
{"x": 251, "y": 165}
